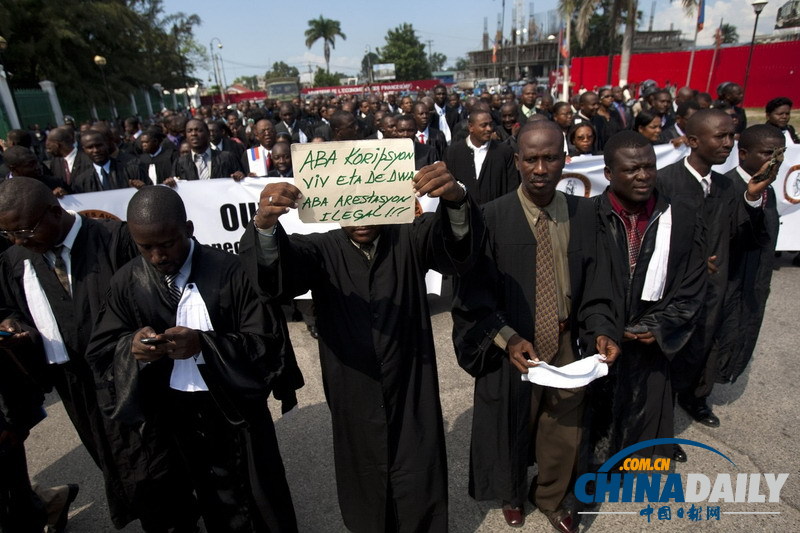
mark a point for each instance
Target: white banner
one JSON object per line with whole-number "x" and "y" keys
{"x": 221, "y": 208}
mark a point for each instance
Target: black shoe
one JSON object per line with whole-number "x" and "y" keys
{"x": 61, "y": 524}
{"x": 312, "y": 330}
{"x": 678, "y": 454}
{"x": 701, "y": 412}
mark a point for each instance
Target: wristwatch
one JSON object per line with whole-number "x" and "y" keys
{"x": 456, "y": 205}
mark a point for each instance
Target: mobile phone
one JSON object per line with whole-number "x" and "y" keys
{"x": 7, "y": 333}
{"x": 775, "y": 160}
{"x": 153, "y": 341}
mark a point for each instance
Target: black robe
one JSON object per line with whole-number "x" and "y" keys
{"x": 497, "y": 177}
{"x": 223, "y": 164}
{"x": 500, "y": 291}
{"x": 635, "y": 403}
{"x": 726, "y": 217}
{"x": 749, "y": 278}
{"x": 119, "y": 176}
{"x": 100, "y": 249}
{"x": 378, "y": 361}
{"x": 241, "y": 355}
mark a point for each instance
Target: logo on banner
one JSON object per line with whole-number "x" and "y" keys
{"x": 98, "y": 213}
{"x": 791, "y": 185}
{"x": 576, "y": 184}
{"x": 692, "y": 497}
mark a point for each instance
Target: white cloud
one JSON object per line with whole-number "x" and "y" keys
{"x": 738, "y": 13}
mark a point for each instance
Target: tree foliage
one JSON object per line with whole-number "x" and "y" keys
{"x": 251, "y": 82}
{"x": 281, "y": 70}
{"x": 461, "y": 64}
{"x": 404, "y": 49}
{"x": 327, "y": 30}
{"x": 57, "y": 41}
{"x": 437, "y": 61}
{"x": 367, "y": 62}
{"x": 325, "y": 79}
{"x": 728, "y": 34}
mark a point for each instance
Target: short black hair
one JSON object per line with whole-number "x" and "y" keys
{"x": 62, "y": 134}
{"x": 558, "y": 105}
{"x": 699, "y": 119}
{"x": 585, "y": 96}
{"x": 18, "y": 155}
{"x": 574, "y": 128}
{"x": 758, "y": 133}
{"x": 684, "y": 107}
{"x": 25, "y": 194}
{"x": 156, "y": 204}
{"x": 644, "y": 118}
{"x": 20, "y": 137}
{"x": 339, "y": 118}
{"x": 621, "y": 140}
{"x": 775, "y": 103}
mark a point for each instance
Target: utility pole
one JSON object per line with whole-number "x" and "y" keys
{"x": 430, "y": 50}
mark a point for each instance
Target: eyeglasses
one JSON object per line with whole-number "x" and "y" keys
{"x": 22, "y": 233}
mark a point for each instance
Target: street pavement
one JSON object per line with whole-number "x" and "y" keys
{"x": 759, "y": 433}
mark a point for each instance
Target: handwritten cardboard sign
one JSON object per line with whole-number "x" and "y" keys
{"x": 355, "y": 183}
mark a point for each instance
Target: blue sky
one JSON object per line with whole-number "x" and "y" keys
{"x": 256, "y": 33}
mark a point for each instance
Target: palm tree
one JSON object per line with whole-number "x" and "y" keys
{"x": 728, "y": 34}
{"x": 327, "y": 30}
{"x": 586, "y": 8}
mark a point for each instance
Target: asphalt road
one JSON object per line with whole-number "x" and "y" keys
{"x": 759, "y": 432}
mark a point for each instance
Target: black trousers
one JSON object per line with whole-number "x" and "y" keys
{"x": 215, "y": 455}
{"x": 21, "y": 511}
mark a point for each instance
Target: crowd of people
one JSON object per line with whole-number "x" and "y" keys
{"x": 164, "y": 351}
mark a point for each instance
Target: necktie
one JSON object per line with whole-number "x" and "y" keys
{"x": 634, "y": 239}
{"x": 104, "y": 178}
{"x": 546, "y": 322}
{"x": 202, "y": 166}
{"x": 173, "y": 291}
{"x": 60, "y": 269}
{"x": 67, "y": 173}
{"x": 706, "y": 187}
{"x": 422, "y": 138}
{"x": 366, "y": 249}
{"x": 269, "y": 159}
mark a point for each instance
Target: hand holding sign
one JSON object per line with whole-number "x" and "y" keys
{"x": 275, "y": 200}
{"x": 437, "y": 182}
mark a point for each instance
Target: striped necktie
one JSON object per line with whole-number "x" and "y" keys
{"x": 173, "y": 291}
{"x": 60, "y": 269}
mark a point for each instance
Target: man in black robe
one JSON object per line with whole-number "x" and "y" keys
{"x": 204, "y": 162}
{"x": 72, "y": 258}
{"x": 750, "y": 270}
{"x": 496, "y": 175}
{"x": 204, "y": 377}
{"x": 498, "y": 307}
{"x": 376, "y": 344}
{"x": 658, "y": 264}
{"x": 406, "y": 127}
{"x": 24, "y": 509}
{"x": 106, "y": 172}
{"x": 728, "y": 216}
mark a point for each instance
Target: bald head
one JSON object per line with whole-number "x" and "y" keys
{"x": 25, "y": 195}
{"x": 156, "y": 205}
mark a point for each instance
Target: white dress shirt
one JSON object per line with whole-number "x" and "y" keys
{"x": 443, "y": 125}
{"x": 479, "y": 154}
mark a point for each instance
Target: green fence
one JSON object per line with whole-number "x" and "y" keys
{"x": 4, "y": 124}
{"x": 33, "y": 107}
